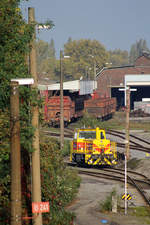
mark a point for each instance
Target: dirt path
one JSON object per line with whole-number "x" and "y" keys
{"x": 86, "y": 207}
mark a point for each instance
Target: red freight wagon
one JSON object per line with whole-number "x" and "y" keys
{"x": 72, "y": 109}
{"x": 100, "y": 107}
{"x": 75, "y": 105}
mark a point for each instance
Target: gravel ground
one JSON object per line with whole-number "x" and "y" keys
{"x": 93, "y": 191}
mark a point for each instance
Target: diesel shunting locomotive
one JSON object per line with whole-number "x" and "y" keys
{"x": 90, "y": 146}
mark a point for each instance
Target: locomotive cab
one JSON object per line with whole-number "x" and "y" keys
{"x": 90, "y": 146}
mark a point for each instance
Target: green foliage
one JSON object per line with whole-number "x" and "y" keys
{"x": 107, "y": 204}
{"x": 66, "y": 149}
{"x": 137, "y": 50}
{"x": 89, "y": 121}
{"x": 118, "y": 57}
{"x": 84, "y": 53}
{"x": 14, "y": 39}
{"x": 4, "y": 164}
{"x": 141, "y": 211}
{"x": 14, "y": 46}
{"x": 46, "y": 60}
{"x": 59, "y": 184}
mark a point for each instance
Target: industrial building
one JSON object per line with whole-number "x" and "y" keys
{"x": 111, "y": 80}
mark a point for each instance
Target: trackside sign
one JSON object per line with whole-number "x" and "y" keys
{"x": 40, "y": 207}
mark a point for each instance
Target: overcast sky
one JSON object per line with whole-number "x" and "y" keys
{"x": 114, "y": 23}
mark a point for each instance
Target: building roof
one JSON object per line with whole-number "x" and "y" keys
{"x": 142, "y": 66}
{"x": 115, "y": 76}
{"x": 83, "y": 87}
{"x": 136, "y": 80}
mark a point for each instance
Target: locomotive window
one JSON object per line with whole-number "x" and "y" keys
{"x": 75, "y": 135}
{"x": 87, "y": 135}
{"x": 102, "y": 135}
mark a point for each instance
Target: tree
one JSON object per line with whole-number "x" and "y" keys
{"x": 137, "y": 50}
{"x": 14, "y": 39}
{"x": 45, "y": 59}
{"x": 84, "y": 54}
{"x": 14, "y": 47}
{"x": 118, "y": 57}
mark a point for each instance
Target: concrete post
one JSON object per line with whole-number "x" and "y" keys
{"x": 36, "y": 180}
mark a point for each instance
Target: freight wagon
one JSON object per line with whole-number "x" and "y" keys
{"x": 76, "y": 105}
{"x": 73, "y": 109}
{"x": 101, "y": 108}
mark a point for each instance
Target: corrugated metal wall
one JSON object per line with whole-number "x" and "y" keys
{"x": 87, "y": 87}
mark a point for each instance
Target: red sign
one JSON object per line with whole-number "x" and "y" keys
{"x": 40, "y": 207}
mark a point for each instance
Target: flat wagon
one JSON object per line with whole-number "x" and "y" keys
{"x": 101, "y": 108}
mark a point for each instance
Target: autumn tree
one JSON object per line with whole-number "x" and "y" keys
{"x": 45, "y": 59}
{"x": 58, "y": 186}
{"x": 14, "y": 47}
{"x": 137, "y": 49}
{"x": 14, "y": 39}
{"x": 84, "y": 54}
{"x": 118, "y": 57}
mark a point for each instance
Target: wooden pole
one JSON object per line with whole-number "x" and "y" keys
{"x": 61, "y": 103}
{"x": 15, "y": 156}
{"x": 36, "y": 181}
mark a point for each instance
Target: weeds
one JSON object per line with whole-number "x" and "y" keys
{"x": 106, "y": 205}
{"x": 142, "y": 212}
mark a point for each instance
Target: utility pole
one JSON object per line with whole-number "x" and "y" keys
{"x": 36, "y": 181}
{"x": 127, "y": 145}
{"x": 127, "y": 122}
{"x": 15, "y": 156}
{"x": 94, "y": 75}
{"x": 61, "y": 103}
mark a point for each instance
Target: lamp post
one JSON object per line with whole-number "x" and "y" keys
{"x": 61, "y": 100}
{"x": 61, "y": 104}
{"x": 94, "y": 66}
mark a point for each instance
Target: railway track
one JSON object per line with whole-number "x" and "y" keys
{"x": 122, "y": 136}
{"x": 133, "y": 139}
{"x": 68, "y": 133}
{"x": 137, "y": 180}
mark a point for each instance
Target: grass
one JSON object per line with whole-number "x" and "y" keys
{"x": 106, "y": 205}
{"x": 66, "y": 149}
{"x": 141, "y": 212}
{"x": 117, "y": 122}
{"x": 133, "y": 163}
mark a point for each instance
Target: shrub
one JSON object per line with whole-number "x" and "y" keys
{"x": 66, "y": 149}
{"x": 88, "y": 121}
{"x": 107, "y": 204}
{"x": 59, "y": 184}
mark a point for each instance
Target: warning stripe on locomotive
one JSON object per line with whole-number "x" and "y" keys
{"x": 90, "y": 146}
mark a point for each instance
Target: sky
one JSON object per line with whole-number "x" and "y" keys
{"x": 117, "y": 24}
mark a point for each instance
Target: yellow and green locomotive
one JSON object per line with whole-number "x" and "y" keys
{"x": 90, "y": 146}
